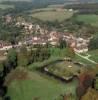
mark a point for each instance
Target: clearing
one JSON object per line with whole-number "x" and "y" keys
{"x": 88, "y": 18}
{"x": 50, "y": 14}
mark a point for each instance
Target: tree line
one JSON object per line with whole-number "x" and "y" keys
{"x": 8, "y": 31}
{"x": 84, "y": 8}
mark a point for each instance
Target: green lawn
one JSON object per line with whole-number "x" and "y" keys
{"x": 79, "y": 59}
{"x": 88, "y": 18}
{"x": 40, "y": 86}
{"x": 57, "y": 52}
{"x": 52, "y": 15}
{"x": 94, "y": 55}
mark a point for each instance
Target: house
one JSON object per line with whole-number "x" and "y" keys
{"x": 42, "y": 40}
{"x": 70, "y": 10}
{"x": 5, "y": 45}
{"x": 54, "y": 38}
{"x": 81, "y": 49}
{"x": 81, "y": 45}
{"x": 8, "y": 18}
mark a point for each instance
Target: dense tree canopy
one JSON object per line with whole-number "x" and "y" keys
{"x": 8, "y": 32}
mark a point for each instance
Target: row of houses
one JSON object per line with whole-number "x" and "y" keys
{"x": 31, "y": 28}
{"x": 79, "y": 45}
{"x": 5, "y": 45}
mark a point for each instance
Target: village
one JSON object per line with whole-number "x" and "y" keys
{"x": 43, "y": 36}
{"x": 49, "y": 50}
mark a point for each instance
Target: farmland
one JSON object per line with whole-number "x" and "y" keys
{"x": 88, "y": 18}
{"x": 49, "y": 14}
{"x": 29, "y": 84}
{"x": 37, "y": 86}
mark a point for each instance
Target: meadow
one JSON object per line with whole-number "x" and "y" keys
{"x": 37, "y": 85}
{"x": 94, "y": 55}
{"x": 88, "y": 18}
{"x": 50, "y": 14}
{"x": 28, "y": 83}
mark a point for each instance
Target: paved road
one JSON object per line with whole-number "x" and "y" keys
{"x": 86, "y": 58}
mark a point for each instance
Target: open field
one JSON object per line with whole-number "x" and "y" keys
{"x": 49, "y": 14}
{"x": 27, "y": 85}
{"x": 94, "y": 55}
{"x": 84, "y": 61}
{"x": 38, "y": 86}
{"x": 88, "y": 18}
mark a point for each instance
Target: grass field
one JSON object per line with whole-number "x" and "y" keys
{"x": 37, "y": 85}
{"x": 27, "y": 85}
{"x": 86, "y": 62}
{"x": 94, "y": 55}
{"x": 89, "y": 18}
{"x": 52, "y": 15}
